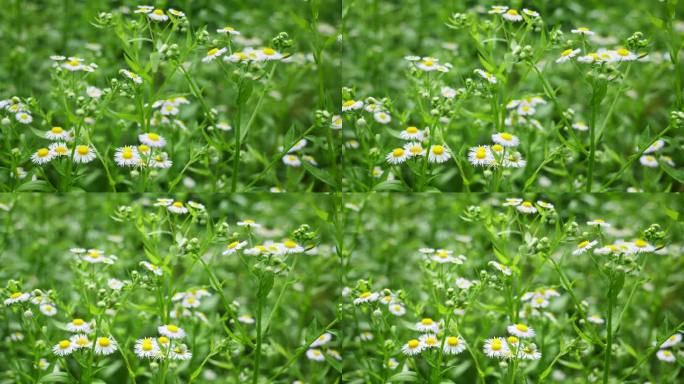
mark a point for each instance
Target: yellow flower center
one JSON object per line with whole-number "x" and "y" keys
{"x": 178, "y": 204}
{"x": 416, "y": 149}
{"x": 426, "y": 321}
{"x": 622, "y": 52}
{"x": 289, "y": 244}
{"x": 82, "y": 341}
{"x": 412, "y": 130}
{"x": 61, "y": 150}
{"x": 147, "y": 345}
{"x": 507, "y": 136}
{"x": 438, "y": 150}
{"x": 143, "y": 148}
{"x": 513, "y": 12}
{"x": 413, "y": 343}
{"x": 349, "y": 103}
{"x": 163, "y": 339}
{"x": 73, "y": 63}
{"x": 172, "y": 328}
{"x": 640, "y": 243}
{"x": 526, "y": 204}
{"x": 212, "y": 51}
{"x": 43, "y": 152}
{"x": 233, "y": 244}
{"x": 16, "y": 295}
{"x": 480, "y": 153}
{"x": 103, "y": 341}
{"x": 567, "y": 52}
{"x": 158, "y": 12}
{"x": 228, "y": 29}
{"x": 428, "y": 63}
{"x": 57, "y": 130}
{"x": 64, "y": 344}
{"x": 365, "y": 295}
{"x": 512, "y": 339}
{"x": 153, "y": 136}
{"x": 452, "y": 341}
{"x": 82, "y": 149}
{"x": 521, "y": 327}
{"x": 398, "y": 152}
{"x": 127, "y": 153}
{"x": 496, "y": 345}
{"x": 583, "y": 244}
{"x": 268, "y": 51}
{"x": 78, "y": 322}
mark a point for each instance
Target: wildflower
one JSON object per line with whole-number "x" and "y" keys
{"x": 42, "y": 364}
{"x": 213, "y": 53}
{"x": 496, "y": 347}
{"x": 464, "y": 284}
{"x": 412, "y": 347}
{"x": 623, "y": 54}
{"x": 392, "y": 363}
{"x": 427, "y": 325}
{"x": 498, "y": 9}
{"x": 521, "y": 330}
{"x": 73, "y": 64}
{"x": 147, "y": 348}
{"x": 438, "y": 154}
{"x": 292, "y": 160}
{"x": 529, "y": 352}
{"x": 115, "y": 284}
{"x": 397, "y": 156}
{"x": 144, "y": 9}
{"x": 246, "y": 319}
{"x": 666, "y": 356}
{"x": 526, "y": 207}
{"x": 105, "y": 345}
{"x": 640, "y": 245}
{"x": 397, "y": 309}
{"x": 48, "y": 309}
{"x": 315, "y": 354}
{"x": 152, "y": 268}
{"x": 223, "y": 126}
{"x": 414, "y": 149}
{"x": 582, "y": 31}
{"x": 648, "y": 161}
{"x": 366, "y": 297}
{"x": 656, "y": 146}
{"x": 429, "y": 64}
{"x": 567, "y": 55}
{"x": 336, "y": 122}
{"x": 248, "y": 223}
{"x": 530, "y": 13}
{"x": 486, "y": 75}
{"x": 429, "y": 341}
{"x": 157, "y": 15}
{"x": 269, "y": 54}
{"x": 539, "y": 301}
{"x": 127, "y": 156}
{"x": 176, "y": 13}
{"x": 42, "y": 156}
{"x": 351, "y": 105}
{"x": 17, "y": 297}
{"x": 501, "y": 268}
{"x": 453, "y": 345}
{"x": 78, "y": 325}
{"x": 448, "y": 92}
{"x": 514, "y": 160}
{"x": 58, "y": 133}
{"x": 63, "y": 348}
{"x": 580, "y": 126}
{"x": 136, "y": 79}
{"x": 672, "y": 341}
{"x": 84, "y": 154}
{"x": 291, "y": 247}
{"x": 171, "y": 331}
{"x": 178, "y": 208}
{"x": 512, "y": 15}
{"x": 377, "y": 172}
{"x": 321, "y": 340}
{"x": 180, "y": 352}
{"x": 598, "y": 223}
{"x": 544, "y": 204}
{"x": 506, "y": 139}
{"x": 667, "y": 160}
{"x": 512, "y": 202}
{"x": 80, "y": 341}
{"x": 228, "y": 30}
{"x": 382, "y": 117}
{"x": 234, "y": 247}
{"x": 161, "y": 161}
{"x": 23, "y": 117}
{"x": 584, "y": 246}
{"x": 481, "y": 156}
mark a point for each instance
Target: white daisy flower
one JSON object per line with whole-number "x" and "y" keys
{"x": 336, "y": 122}
{"x": 246, "y": 319}
{"x": 512, "y": 15}
{"x": 24, "y": 117}
{"x": 290, "y": 246}
{"x": 115, "y": 284}
{"x": 157, "y": 15}
{"x": 144, "y": 9}
{"x": 152, "y": 268}
{"x": 42, "y": 156}
{"x": 526, "y": 207}
{"x": 666, "y": 356}
{"x": 366, "y": 297}
{"x": 214, "y": 53}
{"x": 595, "y": 319}
{"x": 392, "y": 363}
{"x": 411, "y": 133}
{"x": 147, "y": 348}
{"x": 539, "y": 301}
{"x": 377, "y": 172}
{"x": 396, "y": 309}
{"x": 580, "y": 126}
{"x": 648, "y": 161}
{"x": 584, "y": 246}
{"x": 42, "y": 364}
{"x": 228, "y": 30}
{"x": 496, "y": 347}
{"x": 84, "y": 154}
{"x": 63, "y": 348}
{"x": 73, "y": 64}
{"x": 429, "y": 341}
{"x": 168, "y": 109}
{"x": 453, "y": 345}
{"x": 48, "y": 309}
{"x": 428, "y": 64}
{"x": 59, "y": 149}
{"x": 530, "y": 13}
{"x": 598, "y": 223}
{"x": 464, "y": 284}
{"x": 497, "y": 10}
{"x": 58, "y": 133}
{"x": 513, "y": 160}
{"x": 521, "y": 330}
{"x": 486, "y": 75}
{"x": 152, "y": 139}
{"x": 397, "y": 156}
{"x": 412, "y": 347}
{"x": 176, "y": 13}
{"x": 427, "y": 325}
{"x": 438, "y": 154}
{"x": 501, "y": 268}
{"x": 17, "y": 297}
{"x": 567, "y": 55}
{"x": 178, "y": 208}
{"x": 171, "y": 331}
{"x": 640, "y": 245}
{"x": 351, "y": 105}
{"x": 127, "y": 156}
{"x": 529, "y": 352}
{"x": 180, "y": 352}
{"x": 382, "y": 117}
{"x": 136, "y": 78}
{"x": 481, "y": 156}
{"x": 315, "y": 354}
{"x": 656, "y": 146}
{"x": 414, "y": 149}
{"x": 78, "y": 326}
{"x": 292, "y": 160}
{"x": 512, "y": 202}
{"x": 506, "y": 139}
{"x": 544, "y": 204}
{"x": 582, "y": 31}
{"x": 234, "y": 247}
{"x": 321, "y": 340}
{"x": 105, "y": 345}
{"x": 269, "y": 54}
{"x": 623, "y": 54}
{"x": 448, "y": 92}
{"x": 672, "y": 341}
{"x": 161, "y": 161}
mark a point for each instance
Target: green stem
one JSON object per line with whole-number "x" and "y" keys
{"x": 609, "y": 334}
{"x": 257, "y": 358}
{"x": 592, "y": 142}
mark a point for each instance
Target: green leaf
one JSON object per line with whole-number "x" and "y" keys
{"x": 676, "y": 174}
{"x": 320, "y": 174}
{"x": 155, "y": 58}
{"x": 404, "y": 376}
{"x": 57, "y": 377}
{"x": 36, "y": 186}
{"x": 265, "y": 285}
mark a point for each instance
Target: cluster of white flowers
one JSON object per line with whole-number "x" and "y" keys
{"x": 166, "y": 346}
